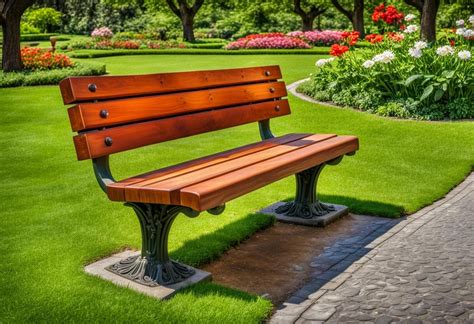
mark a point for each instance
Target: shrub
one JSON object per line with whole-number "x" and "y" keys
{"x": 41, "y": 37}
{"x": 34, "y": 58}
{"x": 102, "y": 33}
{"x": 26, "y": 28}
{"x": 44, "y": 19}
{"x": 318, "y": 38}
{"x": 268, "y": 40}
{"x": 46, "y": 77}
{"x": 400, "y": 76}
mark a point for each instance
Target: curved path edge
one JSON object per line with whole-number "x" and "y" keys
{"x": 292, "y": 89}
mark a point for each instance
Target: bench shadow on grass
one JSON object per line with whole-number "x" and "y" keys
{"x": 341, "y": 254}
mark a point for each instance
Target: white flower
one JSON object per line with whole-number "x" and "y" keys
{"x": 445, "y": 50}
{"x": 368, "y": 64}
{"x": 410, "y": 17}
{"x": 323, "y": 62}
{"x": 471, "y": 19}
{"x": 420, "y": 45}
{"x": 415, "y": 52}
{"x": 460, "y": 31}
{"x": 385, "y": 57}
{"x": 468, "y": 33}
{"x": 460, "y": 22}
{"x": 464, "y": 55}
{"x": 411, "y": 29}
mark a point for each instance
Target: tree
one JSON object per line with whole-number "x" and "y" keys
{"x": 186, "y": 14}
{"x": 308, "y": 17}
{"x": 10, "y": 16}
{"x": 428, "y": 10}
{"x": 356, "y": 16}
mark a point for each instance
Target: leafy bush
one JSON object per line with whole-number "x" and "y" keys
{"x": 268, "y": 40}
{"x": 26, "y": 28}
{"x": 45, "y": 19}
{"x": 46, "y": 77}
{"x": 401, "y": 77}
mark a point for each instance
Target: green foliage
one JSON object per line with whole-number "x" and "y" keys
{"x": 17, "y": 79}
{"x": 26, "y": 28}
{"x": 45, "y": 19}
{"x": 42, "y": 37}
{"x": 432, "y": 86}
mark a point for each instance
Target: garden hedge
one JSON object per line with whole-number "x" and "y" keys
{"x": 105, "y": 53}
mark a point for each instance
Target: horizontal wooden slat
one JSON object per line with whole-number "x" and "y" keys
{"x": 218, "y": 190}
{"x": 116, "y": 191}
{"x": 92, "y": 144}
{"x": 88, "y": 115}
{"x": 167, "y": 191}
{"x": 76, "y": 89}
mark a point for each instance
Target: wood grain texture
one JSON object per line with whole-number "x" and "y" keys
{"x": 75, "y": 89}
{"x": 167, "y": 191}
{"x": 116, "y": 191}
{"x": 88, "y": 115}
{"x": 218, "y": 190}
{"x": 92, "y": 144}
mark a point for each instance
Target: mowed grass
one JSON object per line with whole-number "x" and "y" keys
{"x": 55, "y": 219}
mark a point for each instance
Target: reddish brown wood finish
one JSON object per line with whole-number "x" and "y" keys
{"x": 76, "y": 89}
{"x": 214, "y": 180}
{"x": 116, "y": 191}
{"x": 216, "y": 191}
{"x": 88, "y": 115}
{"x": 92, "y": 144}
{"x": 168, "y": 189}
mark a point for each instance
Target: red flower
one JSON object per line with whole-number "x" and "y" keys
{"x": 338, "y": 50}
{"x": 374, "y": 38}
{"x": 351, "y": 38}
{"x": 389, "y": 14}
{"x": 452, "y": 42}
{"x": 395, "y": 36}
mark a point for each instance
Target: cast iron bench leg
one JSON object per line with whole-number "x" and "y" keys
{"x": 154, "y": 267}
{"x": 306, "y": 204}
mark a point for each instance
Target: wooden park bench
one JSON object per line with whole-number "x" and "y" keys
{"x": 118, "y": 113}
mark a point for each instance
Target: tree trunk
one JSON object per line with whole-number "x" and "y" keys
{"x": 428, "y": 20}
{"x": 307, "y": 23}
{"x": 11, "y": 60}
{"x": 358, "y": 17}
{"x": 187, "y": 21}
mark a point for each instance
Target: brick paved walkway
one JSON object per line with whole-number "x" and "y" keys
{"x": 420, "y": 270}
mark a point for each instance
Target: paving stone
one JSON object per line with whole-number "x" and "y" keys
{"x": 418, "y": 268}
{"x": 418, "y": 311}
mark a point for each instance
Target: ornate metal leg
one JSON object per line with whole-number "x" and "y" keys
{"x": 154, "y": 267}
{"x": 306, "y": 204}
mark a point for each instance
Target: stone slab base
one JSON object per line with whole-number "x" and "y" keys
{"x": 159, "y": 292}
{"x": 319, "y": 221}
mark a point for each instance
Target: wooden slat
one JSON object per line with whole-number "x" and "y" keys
{"x": 75, "y": 89}
{"x": 116, "y": 191}
{"x": 87, "y": 115}
{"x": 92, "y": 144}
{"x": 166, "y": 191}
{"x": 218, "y": 190}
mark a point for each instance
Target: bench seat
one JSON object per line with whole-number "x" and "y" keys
{"x": 211, "y": 181}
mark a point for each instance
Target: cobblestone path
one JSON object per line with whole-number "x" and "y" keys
{"x": 420, "y": 270}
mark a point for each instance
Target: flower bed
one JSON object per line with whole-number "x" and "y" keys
{"x": 267, "y": 41}
{"x": 319, "y": 38}
{"x": 401, "y": 76}
{"x": 34, "y": 58}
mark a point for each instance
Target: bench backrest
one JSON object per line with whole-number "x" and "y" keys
{"x": 119, "y": 113}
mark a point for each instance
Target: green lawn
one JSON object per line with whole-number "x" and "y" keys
{"x": 55, "y": 219}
